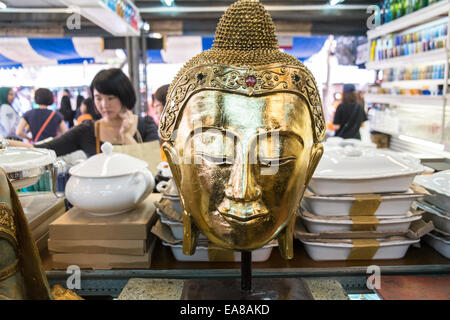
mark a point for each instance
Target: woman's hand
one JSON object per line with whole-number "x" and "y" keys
{"x": 128, "y": 127}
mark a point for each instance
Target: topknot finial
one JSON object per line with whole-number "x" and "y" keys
{"x": 246, "y": 26}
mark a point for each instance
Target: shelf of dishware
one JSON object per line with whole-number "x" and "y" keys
{"x": 433, "y": 56}
{"x": 419, "y": 17}
{"x": 413, "y": 83}
{"x": 119, "y": 17}
{"x": 437, "y": 100}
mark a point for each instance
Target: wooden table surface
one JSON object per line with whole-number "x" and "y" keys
{"x": 163, "y": 259}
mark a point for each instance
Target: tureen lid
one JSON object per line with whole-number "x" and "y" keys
{"x": 438, "y": 182}
{"x": 14, "y": 159}
{"x": 107, "y": 164}
{"x": 365, "y": 163}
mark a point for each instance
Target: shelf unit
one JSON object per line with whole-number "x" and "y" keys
{"x": 434, "y": 12}
{"x": 99, "y": 13}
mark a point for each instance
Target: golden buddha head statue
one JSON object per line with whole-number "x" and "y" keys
{"x": 242, "y": 130}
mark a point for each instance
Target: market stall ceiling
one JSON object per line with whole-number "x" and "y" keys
{"x": 293, "y": 20}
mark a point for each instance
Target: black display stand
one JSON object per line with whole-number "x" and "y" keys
{"x": 247, "y": 288}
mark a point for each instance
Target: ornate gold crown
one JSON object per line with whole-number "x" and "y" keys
{"x": 244, "y": 59}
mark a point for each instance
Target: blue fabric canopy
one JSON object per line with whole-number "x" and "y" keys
{"x": 302, "y": 48}
{"x": 15, "y": 54}
{"x": 8, "y": 63}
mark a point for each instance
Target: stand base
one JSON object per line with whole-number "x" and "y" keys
{"x": 262, "y": 289}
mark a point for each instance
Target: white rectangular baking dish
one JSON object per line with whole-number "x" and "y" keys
{"x": 396, "y": 223}
{"x": 201, "y": 253}
{"x": 438, "y": 184}
{"x": 440, "y": 220}
{"x": 329, "y": 186}
{"x": 320, "y": 251}
{"x": 364, "y": 170}
{"x": 336, "y": 206}
{"x": 177, "y": 228}
{"x": 439, "y": 244}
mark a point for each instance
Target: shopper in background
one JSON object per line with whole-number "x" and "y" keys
{"x": 9, "y": 118}
{"x": 42, "y": 122}
{"x": 87, "y": 112}
{"x": 114, "y": 98}
{"x": 67, "y": 111}
{"x": 350, "y": 115}
{"x": 159, "y": 101}
{"x": 80, "y": 99}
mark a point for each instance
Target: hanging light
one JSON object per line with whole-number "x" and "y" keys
{"x": 3, "y": 5}
{"x": 168, "y": 3}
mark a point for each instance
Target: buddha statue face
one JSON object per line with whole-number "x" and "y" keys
{"x": 241, "y": 164}
{"x": 241, "y": 129}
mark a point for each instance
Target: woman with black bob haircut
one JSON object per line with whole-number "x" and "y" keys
{"x": 114, "y": 98}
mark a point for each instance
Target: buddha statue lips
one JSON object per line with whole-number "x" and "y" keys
{"x": 241, "y": 129}
{"x": 243, "y": 211}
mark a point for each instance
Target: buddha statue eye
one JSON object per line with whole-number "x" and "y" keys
{"x": 221, "y": 160}
{"x": 271, "y": 162}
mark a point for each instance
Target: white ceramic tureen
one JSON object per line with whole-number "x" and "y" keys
{"x": 109, "y": 183}
{"x": 364, "y": 170}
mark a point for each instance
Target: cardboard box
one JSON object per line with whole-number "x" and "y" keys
{"x": 79, "y": 225}
{"x": 104, "y": 261}
{"x": 122, "y": 247}
{"x": 41, "y": 243}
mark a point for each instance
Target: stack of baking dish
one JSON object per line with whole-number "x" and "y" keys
{"x": 170, "y": 230}
{"x": 359, "y": 204}
{"x": 437, "y": 209}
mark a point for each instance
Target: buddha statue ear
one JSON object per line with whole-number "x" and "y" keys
{"x": 189, "y": 229}
{"x": 173, "y": 159}
{"x": 286, "y": 239}
{"x": 316, "y": 154}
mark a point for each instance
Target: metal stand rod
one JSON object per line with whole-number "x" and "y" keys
{"x": 246, "y": 271}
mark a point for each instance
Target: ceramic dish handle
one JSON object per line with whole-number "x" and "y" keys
{"x": 143, "y": 177}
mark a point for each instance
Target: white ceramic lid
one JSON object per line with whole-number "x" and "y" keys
{"x": 438, "y": 182}
{"x": 107, "y": 164}
{"x": 14, "y": 159}
{"x": 352, "y": 163}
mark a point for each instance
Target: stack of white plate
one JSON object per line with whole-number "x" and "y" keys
{"x": 363, "y": 189}
{"x": 437, "y": 209}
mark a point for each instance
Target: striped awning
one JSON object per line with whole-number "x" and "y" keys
{"x": 23, "y": 52}
{"x": 179, "y": 49}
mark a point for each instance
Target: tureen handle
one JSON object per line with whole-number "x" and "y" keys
{"x": 107, "y": 148}
{"x": 146, "y": 178}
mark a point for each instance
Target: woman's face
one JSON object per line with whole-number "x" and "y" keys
{"x": 83, "y": 108}
{"x": 108, "y": 106}
{"x": 11, "y": 96}
{"x": 158, "y": 108}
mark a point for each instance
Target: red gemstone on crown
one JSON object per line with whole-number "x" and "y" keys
{"x": 250, "y": 81}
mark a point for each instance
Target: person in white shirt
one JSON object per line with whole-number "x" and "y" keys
{"x": 9, "y": 118}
